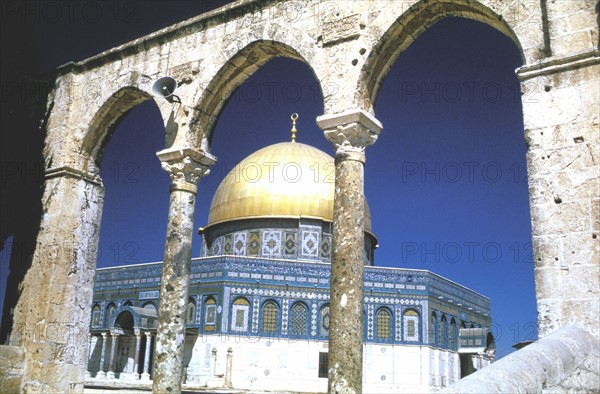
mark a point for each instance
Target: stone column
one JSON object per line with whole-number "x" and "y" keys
{"x": 185, "y": 168}
{"x": 52, "y": 316}
{"x": 214, "y": 361}
{"x": 136, "y": 358}
{"x": 229, "y": 368}
{"x": 101, "y": 368}
{"x": 350, "y": 132}
{"x": 90, "y": 351}
{"x": 113, "y": 351}
{"x": 146, "y": 374}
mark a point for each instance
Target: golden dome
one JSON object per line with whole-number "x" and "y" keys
{"x": 285, "y": 180}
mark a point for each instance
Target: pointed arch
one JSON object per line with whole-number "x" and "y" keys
{"x": 443, "y": 341}
{"x": 433, "y": 328}
{"x": 407, "y": 28}
{"x": 209, "y": 314}
{"x": 383, "y": 324}
{"x": 191, "y": 311}
{"x": 111, "y": 309}
{"x": 269, "y": 321}
{"x": 411, "y": 323}
{"x": 240, "y": 312}
{"x": 299, "y": 319}
{"x": 106, "y": 119}
{"x": 96, "y": 316}
{"x": 324, "y": 320}
{"x": 232, "y": 75}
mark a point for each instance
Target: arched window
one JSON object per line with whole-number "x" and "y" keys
{"x": 96, "y": 316}
{"x": 432, "y": 328}
{"x": 324, "y": 321}
{"x": 110, "y": 314}
{"x": 411, "y": 325}
{"x": 452, "y": 335}
{"x": 384, "y": 323}
{"x": 128, "y": 303}
{"x": 210, "y": 314}
{"x": 191, "y": 311}
{"x": 443, "y": 332}
{"x": 299, "y": 316}
{"x": 270, "y": 314}
{"x": 240, "y": 310}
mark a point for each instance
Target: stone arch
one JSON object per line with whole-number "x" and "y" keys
{"x": 407, "y": 28}
{"x": 125, "y": 321}
{"x": 234, "y": 72}
{"x": 106, "y": 119}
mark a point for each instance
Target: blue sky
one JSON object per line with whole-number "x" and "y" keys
{"x": 446, "y": 181}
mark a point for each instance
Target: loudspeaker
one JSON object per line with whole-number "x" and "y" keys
{"x": 165, "y": 87}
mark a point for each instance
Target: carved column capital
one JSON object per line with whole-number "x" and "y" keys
{"x": 186, "y": 167}
{"x": 350, "y": 132}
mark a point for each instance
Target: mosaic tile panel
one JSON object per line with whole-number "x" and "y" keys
{"x": 239, "y": 244}
{"x": 310, "y": 243}
{"x": 271, "y": 243}
{"x": 217, "y": 247}
{"x": 284, "y": 317}
{"x": 313, "y": 320}
{"x": 290, "y": 240}
{"x": 253, "y": 245}
{"x": 228, "y": 244}
{"x": 369, "y": 321}
{"x": 326, "y": 246}
{"x": 398, "y": 324}
{"x": 255, "y": 308}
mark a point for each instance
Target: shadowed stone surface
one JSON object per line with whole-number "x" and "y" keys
{"x": 564, "y": 361}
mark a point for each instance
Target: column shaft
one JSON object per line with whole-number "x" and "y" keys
{"x": 113, "y": 352}
{"x": 145, "y": 374}
{"x": 185, "y": 168}
{"x": 136, "y": 359}
{"x": 101, "y": 367}
{"x": 170, "y": 338}
{"x": 346, "y": 292}
{"x": 351, "y": 132}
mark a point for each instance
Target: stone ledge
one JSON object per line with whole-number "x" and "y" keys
{"x": 546, "y": 363}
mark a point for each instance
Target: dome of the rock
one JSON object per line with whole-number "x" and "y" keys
{"x": 285, "y": 180}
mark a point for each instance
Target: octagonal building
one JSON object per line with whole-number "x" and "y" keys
{"x": 258, "y": 308}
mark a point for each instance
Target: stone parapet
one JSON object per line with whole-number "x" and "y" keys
{"x": 552, "y": 364}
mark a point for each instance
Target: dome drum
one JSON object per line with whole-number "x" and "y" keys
{"x": 275, "y": 238}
